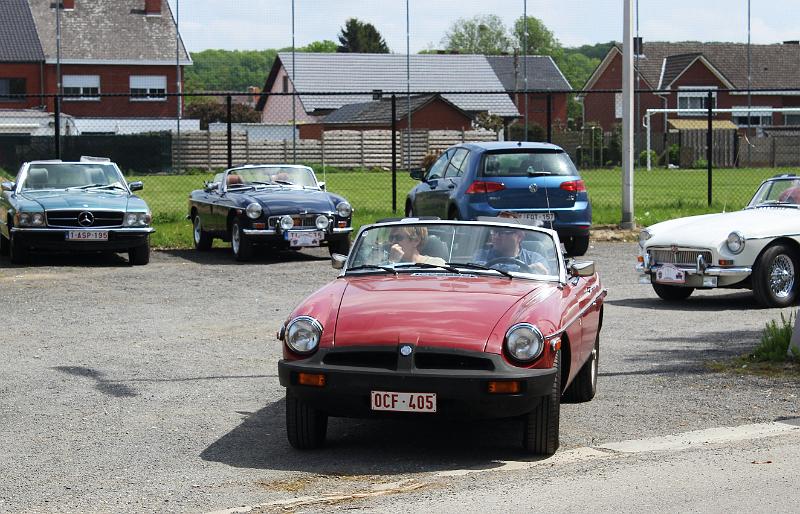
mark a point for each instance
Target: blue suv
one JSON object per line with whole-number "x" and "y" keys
{"x": 535, "y": 181}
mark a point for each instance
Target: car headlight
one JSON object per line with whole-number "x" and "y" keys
{"x": 303, "y": 334}
{"x": 322, "y": 222}
{"x": 524, "y": 342}
{"x": 735, "y": 242}
{"x": 254, "y": 210}
{"x": 28, "y": 219}
{"x": 644, "y": 235}
{"x": 138, "y": 219}
{"x": 344, "y": 210}
{"x": 286, "y": 222}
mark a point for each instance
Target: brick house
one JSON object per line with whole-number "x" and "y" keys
{"x": 125, "y": 47}
{"x": 687, "y": 70}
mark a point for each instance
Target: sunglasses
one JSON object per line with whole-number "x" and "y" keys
{"x": 396, "y": 238}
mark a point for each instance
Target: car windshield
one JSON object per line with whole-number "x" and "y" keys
{"x": 527, "y": 163}
{"x": 475, "y": 248}
{"x": 273, "y": 175}
{"x": 783, "y": 192}
{"x": 72, "y": 175}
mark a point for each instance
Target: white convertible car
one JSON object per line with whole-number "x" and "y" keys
{"x": 756, "y": 248}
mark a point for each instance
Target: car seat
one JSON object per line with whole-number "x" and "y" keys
{"x": 434, "y": 247}
{"x": 38, "y": 178}
{"x": 233, "y": 180}
{"x": 95, "y": 176}
{"x": 790, "y": 195}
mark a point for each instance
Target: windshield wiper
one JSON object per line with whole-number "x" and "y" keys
{"x": 473, "y": 265}
{"x": 87, "y": 186}
{"x": 109, "y": 186}
{"x": 427, "y": 265}
{"x": 539, "y": 173}
{"x": 387, "y": 269}
{"x": 777, "y": 203}
{"x": 284, "y": 182}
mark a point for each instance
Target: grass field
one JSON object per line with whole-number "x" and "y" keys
{"x": 658, "y": 195}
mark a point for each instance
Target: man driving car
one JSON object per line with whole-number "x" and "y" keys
{"x": 504, "y": 246}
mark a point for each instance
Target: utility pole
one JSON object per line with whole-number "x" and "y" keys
{"x": 627, "y": 116}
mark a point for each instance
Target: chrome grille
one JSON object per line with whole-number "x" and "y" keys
{"x": 686, "y": 256}
{"x": 300, "y": 220}
{"x": 69, "y": 218}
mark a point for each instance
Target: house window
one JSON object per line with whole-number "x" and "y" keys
{"x": 148, "y": 88}
{"x": 759, "y": 116}
{"x": 618, "y": 105}
{"x": 695, "y": 98}
{"x": 87, "y": 86}
{"x": 11, "y": 87}
{"x": 791, "y": 119}
{"x": 286, "y": 83}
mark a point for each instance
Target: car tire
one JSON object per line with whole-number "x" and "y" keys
{"x": 17, "y": 253}
{"x": 774, "y": 276}
{"x": 576, "y": 245}
{"x": 672, "y": 293}
{"x": 339, "y": 245}
{"x": 242, "y": 248}
{"x": 541, "y": 426}
{"x": 202, "y": 239}
{"x": 4, "y": 245}
{"x": 306, "y": 427}
{"x": 409, "y": 210}
{"x": 139, "y": 255}
{"x": 584, "y": 387}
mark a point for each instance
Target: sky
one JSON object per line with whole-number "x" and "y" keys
{"x": 262, "y": 24}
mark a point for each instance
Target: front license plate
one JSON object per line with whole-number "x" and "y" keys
{"x": 87, "y": 235}
{"x": 669, "y": 274}
{"x": 538, "y": 216}
{"x": 305, "y": 237}
{"x": 403, "y": 402}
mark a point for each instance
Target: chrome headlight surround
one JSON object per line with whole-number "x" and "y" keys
{"x": 254, "y": 210}
{"x": 303, "y": 334}
{"x": 644, "y": 235}
{"x": 30, "y": 219}
{"x": 735, "y": 242}
{"x": 524, "y": 342}
{"x": 286, "y": 222}
{"x": 344, "y": 209}
{"x": 322, "y": 222}
{"x": 137, "y": 219}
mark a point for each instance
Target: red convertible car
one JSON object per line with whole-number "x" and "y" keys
{"x": 445, "y": 319}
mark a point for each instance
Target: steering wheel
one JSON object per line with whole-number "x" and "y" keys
{"x": 510, "y": 260}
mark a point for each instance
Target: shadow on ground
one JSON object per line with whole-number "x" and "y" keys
{"x": 742, "y": 300}
{"x": 80, "y": 259}
{"x": 261, "y": 256}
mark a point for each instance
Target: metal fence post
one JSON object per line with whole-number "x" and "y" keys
{"x": 228, "y": 108}
{"x": 57, "y": 127}
{"x": 549, "y": 117}
{"x": 709, "y": 142}
{"x": 394, "y": 153}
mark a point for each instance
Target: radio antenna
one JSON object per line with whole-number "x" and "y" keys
{"x": 549, "y": 212}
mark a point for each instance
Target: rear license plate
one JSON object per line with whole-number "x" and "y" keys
{"x": 538, "y": 216}
{"x": 87, "y": 235}
{"x": 669, "y": 274}
{"x": 403, "y": 402}
{"x": 304, "y": 238}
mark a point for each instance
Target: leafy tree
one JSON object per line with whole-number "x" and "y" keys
{"x": 208, "y": 110}
{"x": 360, "y": 37}
{"x": 228, "y": 70}
{"x": 541, "y": 40}
{"x": 481, "y": 34}
{"x": 488, "y": 121}
{"x": 326, "y": 46}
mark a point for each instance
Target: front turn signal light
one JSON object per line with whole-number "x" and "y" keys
{"x": 505, "y": 387}
{"x": 311, "y": 379}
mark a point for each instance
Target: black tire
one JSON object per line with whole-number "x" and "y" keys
{"x": 672, "y": 293}
{"x": 576, "y": 245}
{"x": 409, "y": 210}
{"x": 340, "y": 245}
{"x": 775, "y": 276}
{"x": 453, "y": 214}
{"x": 17, "y": 252}
{"x": 139, "y": 255}
{"x": 305, "y": 427}
{"x": 202, "y": 239}
{"x": 242, "y": 248}
{"x": 540, "y": 426}
{"x": 584, "y": 387}
{"x": 4, "y": 245}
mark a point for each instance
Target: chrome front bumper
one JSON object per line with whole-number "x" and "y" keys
{"x": 272, "y": 231}
{"x": 115, "y": 230}
{"x": 699, "y": 275}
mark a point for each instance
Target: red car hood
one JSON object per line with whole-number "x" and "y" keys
{"x": 428, "y": 311}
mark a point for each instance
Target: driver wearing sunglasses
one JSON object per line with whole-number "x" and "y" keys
{"x": 504, "y": 246}
{"x": 405, "y": 243}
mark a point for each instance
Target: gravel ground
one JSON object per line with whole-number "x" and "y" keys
{"x": 155, "y": 388}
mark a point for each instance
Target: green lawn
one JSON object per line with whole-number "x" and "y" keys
{"x": 658, "y": 195}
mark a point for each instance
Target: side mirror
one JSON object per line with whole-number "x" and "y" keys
{"x": 8, "y": 186}
{"x": 581, "y": 268}
{"x": 417, "y": 174}
{"x": 338, "y": 260}
{"x": 321, "y": 185}
{"x": 136, "y": 186}
{"x": 210, "y": 186}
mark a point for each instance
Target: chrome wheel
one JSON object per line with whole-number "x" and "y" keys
{"x": 236, "y": 239}
{"x": 781, "y": 276}
{"x": 198, "y": 228}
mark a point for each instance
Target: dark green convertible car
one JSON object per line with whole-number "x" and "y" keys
{"x": 73, "y": 206}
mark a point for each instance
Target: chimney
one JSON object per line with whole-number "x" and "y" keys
{"x": 152, "y": 7}
{"x": 792, "y": 42}
{"x": 377, "y": 94}
{"x": 68, "y": 4}
{"x": 638, "y": 46}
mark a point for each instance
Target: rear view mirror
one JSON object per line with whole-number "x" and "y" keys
{"x": 7, "y": 186}
{"x": 136, "y": 186}
{"x": 581, "y": 268}
{"x": 338, "y": 260}
{"x": 417, "y": 174}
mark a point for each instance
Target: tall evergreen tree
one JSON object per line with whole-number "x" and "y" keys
{"x": 360, "y": 37}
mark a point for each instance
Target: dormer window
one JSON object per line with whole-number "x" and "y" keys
{"x": 695, "y": 97}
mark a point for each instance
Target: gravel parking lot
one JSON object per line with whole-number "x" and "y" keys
{"x": 155, "y": 388}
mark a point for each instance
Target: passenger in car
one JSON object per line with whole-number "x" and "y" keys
{"x": 405, "y": 244}
{"x": 505, "y": 245}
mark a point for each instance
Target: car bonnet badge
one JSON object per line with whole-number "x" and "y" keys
{"x": 533, "y": 188}
{"x": 85, "y": 219}
{"x": 405, "y": 350}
